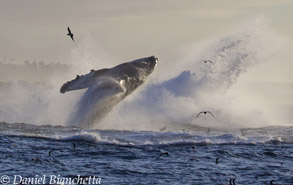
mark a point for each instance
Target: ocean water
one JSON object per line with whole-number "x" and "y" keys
{"x": 250, "y": 156}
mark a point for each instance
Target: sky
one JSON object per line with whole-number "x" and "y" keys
{"x": 124, "y": 30}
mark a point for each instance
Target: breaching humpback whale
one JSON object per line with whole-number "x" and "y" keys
{"x": 106, "y": 88}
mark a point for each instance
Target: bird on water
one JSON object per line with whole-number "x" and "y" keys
{"x": 217, "y": 160}
{"x": 232, "y": 182}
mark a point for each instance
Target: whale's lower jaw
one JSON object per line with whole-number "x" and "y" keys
{"x": 106, "y": 88}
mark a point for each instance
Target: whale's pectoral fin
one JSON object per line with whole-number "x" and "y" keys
{"x": 83, "y": 81}
{"x": 99, "y": 73}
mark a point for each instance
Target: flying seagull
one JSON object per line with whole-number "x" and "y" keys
{"x": 70, "y": 33}
{"x": 206, "y": 61}
{"x": 204, "y": 112}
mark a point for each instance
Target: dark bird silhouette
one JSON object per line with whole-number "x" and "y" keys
{"x": 74, "y": 145}
{"x": 217, "y": 160}
{"x": 35, "y": 159}
{"x": 192, "y": 159}
{"x": 164, "y": 128}
{"x": 208, "y": 130}
{"x": 206, "y": 61}
{"x": 164, "y": 154}
{"x": 271, "y": 182}
{"x": 50, "y": 153}
{"x": 232, "y": 182}
{"x": 204, "y": 112}
{"x": 70, "y": 34}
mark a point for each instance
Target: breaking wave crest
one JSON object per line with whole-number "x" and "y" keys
{"x": 200, "y": 136}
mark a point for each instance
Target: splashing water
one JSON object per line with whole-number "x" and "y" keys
{"x": 236, "y": 87}
{"x": 220, "y": 86}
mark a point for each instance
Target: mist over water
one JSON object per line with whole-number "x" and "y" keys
{"x": 236, "y": 87}
{"x": 243, "y": 87}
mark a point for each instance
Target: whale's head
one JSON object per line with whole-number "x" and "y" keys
{"x": 137, "y": 68}
{"x": 133, "y": 74}
{"x": 146, "y": 65}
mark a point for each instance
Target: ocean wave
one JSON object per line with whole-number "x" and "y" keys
{"x": 266, "y": 135}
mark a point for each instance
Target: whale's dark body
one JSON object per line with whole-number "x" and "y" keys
{"x": 106, "y": 88}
